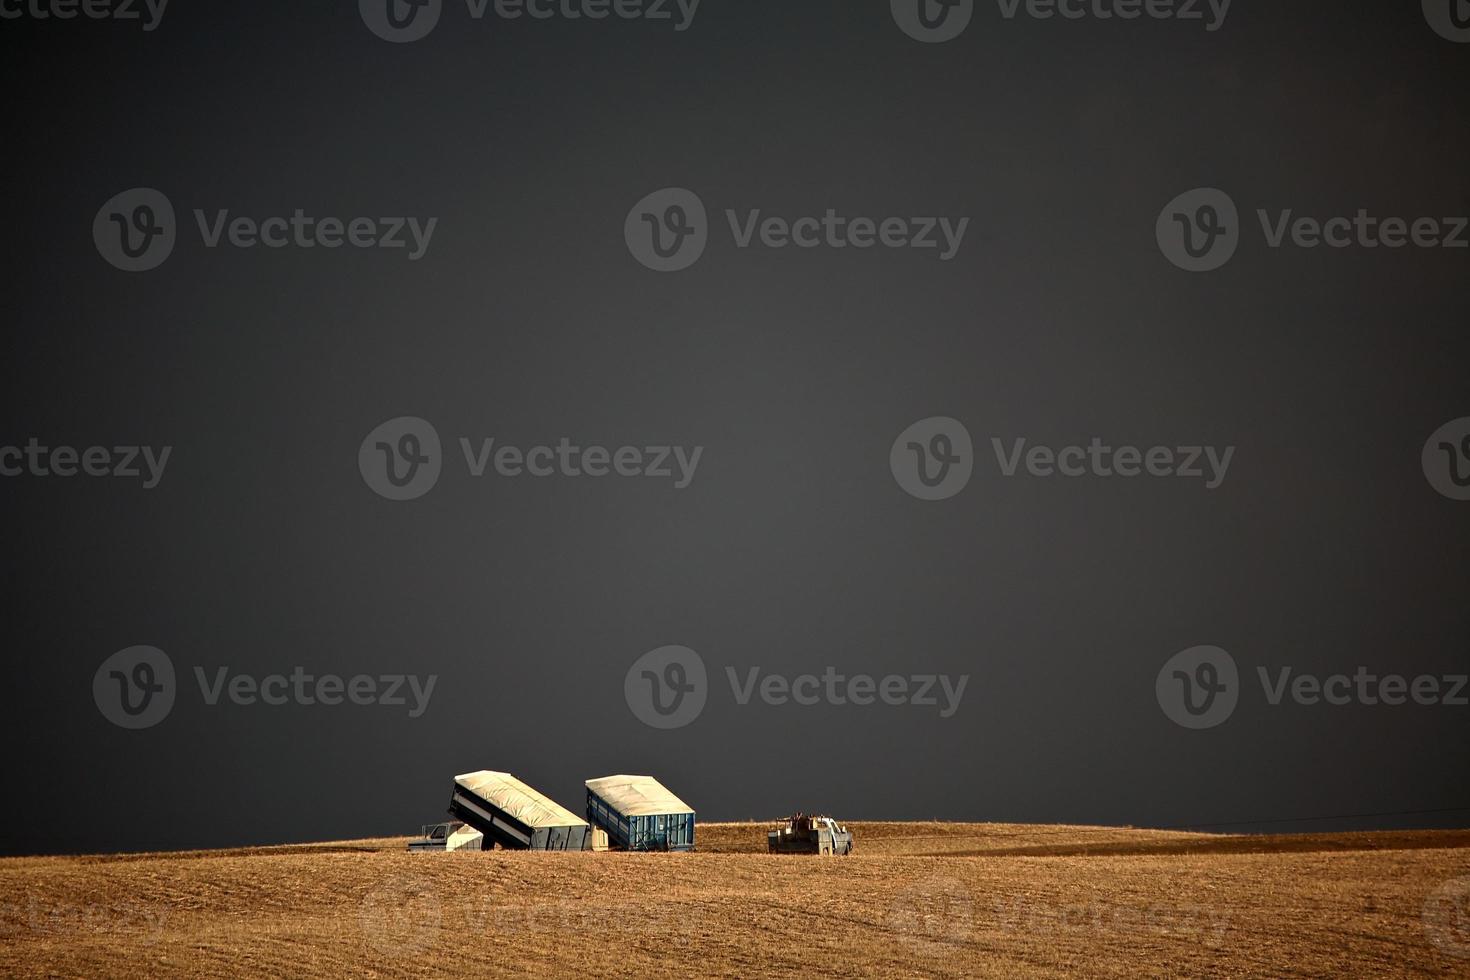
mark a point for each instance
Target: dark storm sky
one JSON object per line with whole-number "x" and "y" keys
{"x": 793, "y": 549}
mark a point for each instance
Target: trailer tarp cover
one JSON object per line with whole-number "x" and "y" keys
{"x": 637, "y": 796}
{"x": 466, "y": 838}
{"x": 520, "y": 801}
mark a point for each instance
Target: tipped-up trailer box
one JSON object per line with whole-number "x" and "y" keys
{"x": 639, "y": 814}
{"x": 510, "y": 813}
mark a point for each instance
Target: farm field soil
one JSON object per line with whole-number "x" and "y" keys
{"x": 916, "y": 899}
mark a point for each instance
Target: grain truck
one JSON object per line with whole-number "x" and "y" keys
{"x": 804, "y": 833}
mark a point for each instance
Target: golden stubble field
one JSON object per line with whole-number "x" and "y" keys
{"x": 917, "y": 899}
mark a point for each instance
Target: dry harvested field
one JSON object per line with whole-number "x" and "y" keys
{"x": 917, "y": 899}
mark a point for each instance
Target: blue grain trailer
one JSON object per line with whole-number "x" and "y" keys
{"x": 639, "y": 814}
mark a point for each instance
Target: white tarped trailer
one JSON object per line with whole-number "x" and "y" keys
{"x": 466, "y": 838}
{"x": 515, "y": 816}
{"x": 640, "y": 814}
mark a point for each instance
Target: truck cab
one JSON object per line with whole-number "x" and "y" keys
{"x": 802, "y": 833}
